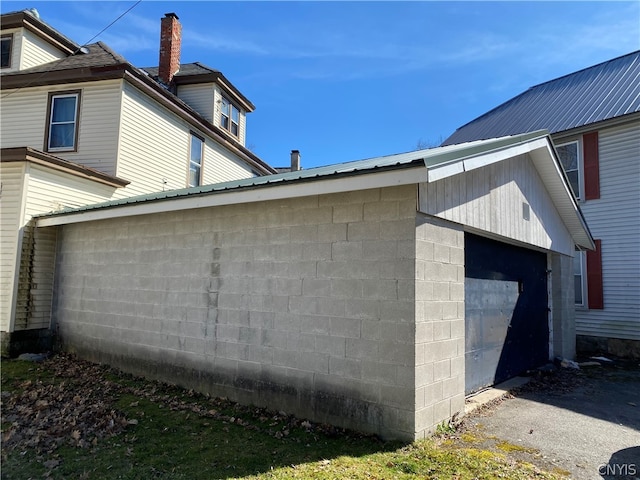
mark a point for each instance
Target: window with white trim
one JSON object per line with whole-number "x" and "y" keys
{"x": 229, "y": 116}
{"x": 196, "y": 154}
{"x": 579, "y": 277}
{"x": 6, "y": 42}
{"x": 569, "y": 155}
{"x": 62, "y": 126}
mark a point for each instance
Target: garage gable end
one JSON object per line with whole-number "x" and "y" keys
{"x": 504, "y": 197}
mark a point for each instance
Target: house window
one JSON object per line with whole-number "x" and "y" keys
{"x": 570, "y": 159}
{"x": 229, "y": 116}
{"x": 578, "y": 277}
{"x": 62, "y": 127}
{"x": 196, "y": 154}
{"x": 6, "y": 41}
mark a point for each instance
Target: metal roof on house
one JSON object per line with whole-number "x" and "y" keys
{"x": 605, "y": 91}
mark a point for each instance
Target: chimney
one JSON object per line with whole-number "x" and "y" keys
{"x": 170, "y": 40}
{"x": 295, "y": 160}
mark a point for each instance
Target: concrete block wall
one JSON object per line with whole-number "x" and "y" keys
{"x": 307, "y": 305}
{"x": 439, "y": 343}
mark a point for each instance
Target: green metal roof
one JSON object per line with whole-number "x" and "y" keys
{"x": 428, "y": 158}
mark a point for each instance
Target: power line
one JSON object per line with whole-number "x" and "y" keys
{"x": 76, "y": 51}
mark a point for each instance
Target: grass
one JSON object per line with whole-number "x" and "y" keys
{"x": 170, "y": 433}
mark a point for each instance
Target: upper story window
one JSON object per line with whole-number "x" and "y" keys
{"x": 229, "y": 116}
{"x": 196, "y": 154}
{"x": 6, "y": 41}
{"x": 62, "y": 125}
{"x": 569, "y": 154}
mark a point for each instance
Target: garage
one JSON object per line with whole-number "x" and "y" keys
{"x": 506, "y": 311}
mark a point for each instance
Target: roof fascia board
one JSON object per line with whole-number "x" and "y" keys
{"x": 321, "y": 186}
{"x": 59, "y": 77}
{"x": 465, "y": 164}
{"x": 548, "y": 167}
{"x": 41, "y": 29}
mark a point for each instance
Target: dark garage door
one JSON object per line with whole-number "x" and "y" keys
{"x": 506, "y": 315}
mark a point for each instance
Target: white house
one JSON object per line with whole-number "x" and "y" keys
{"x": 593, "y": 116}
{"x": 80, "y": 124}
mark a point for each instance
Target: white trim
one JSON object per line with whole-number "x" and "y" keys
{"x": 438, "y": 172}
{"x": 271, "y": 192}
{"x": 550, "y": 304}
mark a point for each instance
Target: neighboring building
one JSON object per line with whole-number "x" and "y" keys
{"x": 80, "y": 124}
{"x": 593, "y": 116}
{"x": 339, "y": 293}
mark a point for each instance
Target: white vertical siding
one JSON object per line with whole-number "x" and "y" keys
{"x": 615, "y": 219}
{"x": 23, "y": 120}
{"x": 12, "y": 178}
{"x": 491, "y": 199}
{"x": 36, "y": 51}
{"x": 199, "y": 97}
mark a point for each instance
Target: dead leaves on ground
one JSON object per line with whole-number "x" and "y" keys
{"x": 42, "y": 415}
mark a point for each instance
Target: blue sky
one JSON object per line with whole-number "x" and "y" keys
{"x": 344, "y": 81}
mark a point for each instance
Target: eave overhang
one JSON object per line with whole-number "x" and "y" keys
{"x": 28, "y": 154}
{"x": 402, "y": 169}
{"x": 39, "y": 28}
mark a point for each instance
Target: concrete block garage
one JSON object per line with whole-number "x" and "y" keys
{"x": 369, "y": 295}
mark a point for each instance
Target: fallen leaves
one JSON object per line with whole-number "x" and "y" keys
{"x": 77, "y": 411}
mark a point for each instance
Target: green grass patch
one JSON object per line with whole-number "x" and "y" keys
{"x": 149, "y": 430}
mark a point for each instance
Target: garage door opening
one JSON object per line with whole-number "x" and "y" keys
{"x": 506, "y": 311}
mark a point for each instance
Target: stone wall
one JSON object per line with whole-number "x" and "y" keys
{"x": 307, "y": 305}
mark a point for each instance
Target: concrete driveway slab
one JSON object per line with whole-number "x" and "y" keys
{"x": 582, "y": 422}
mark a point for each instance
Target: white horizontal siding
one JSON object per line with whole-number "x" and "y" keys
{"x": 491, "y": 199}
{"x": 614, "y": 218}
{"x": 12, "y": 175}
{"x": 154, "y": 145}
{"x": 36, "y": 51}
{"x": 46, "y": 190}
{"x": 221, "y": 166}
{"x": 23, "y": 120}
{"x": 199, "y": 97}
{"x": 50, "y": 190}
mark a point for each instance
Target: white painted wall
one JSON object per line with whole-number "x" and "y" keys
{"x": 491, "y": 199}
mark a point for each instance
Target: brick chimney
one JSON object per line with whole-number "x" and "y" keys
{"x": 170, "y": 40}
